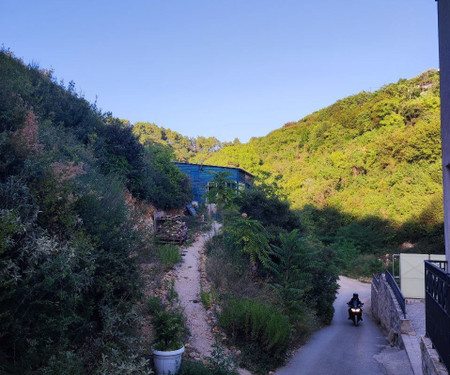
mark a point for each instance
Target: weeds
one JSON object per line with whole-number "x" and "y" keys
{"x": 262, "y": 325}
{"x": 172, "y": 294}
{"x": 208, "y": 298}
{"x": 218, "y": 364}
{"x": 169, "y": 255}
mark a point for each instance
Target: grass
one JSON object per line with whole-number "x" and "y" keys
{"x": 208, "y": 298}
{"x": 260, "y": 330}
{"x": 169, "y": 255}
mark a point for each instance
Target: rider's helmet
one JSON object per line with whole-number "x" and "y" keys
{"x": 355, "y": 295}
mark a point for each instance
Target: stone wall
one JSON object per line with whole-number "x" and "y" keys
{"x": 430, "y": 359}
{"x": 386, "y": 310}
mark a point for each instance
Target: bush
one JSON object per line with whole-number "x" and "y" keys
{"x": 263, "y": 325}
{"x": 169, "y": 327}
{"x": 366, "y": 265}
{"x": 117, "y": 363}
{"x": 68, "y": 238}
{"x": 218, "y": 364}
{"x": 154, "y": 305}
{"x": 67, "y": 363}
{"x": 194, "y": 368}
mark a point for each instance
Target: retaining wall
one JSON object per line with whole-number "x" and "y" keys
{"x": 386, "y": 310}
{"x": 430, "y": 359}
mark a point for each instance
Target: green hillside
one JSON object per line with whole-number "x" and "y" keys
{"x": 371, "y": 155}
{"x": 75, "y": 188}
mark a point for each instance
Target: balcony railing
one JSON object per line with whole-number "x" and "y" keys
{"x": 437, "y": 307}
{"x": 397, "y": 292}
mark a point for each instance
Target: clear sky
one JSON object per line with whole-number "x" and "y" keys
{"x": 223, "y": 68}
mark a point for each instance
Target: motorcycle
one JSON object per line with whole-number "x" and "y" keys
{"x": 356, "y": 311}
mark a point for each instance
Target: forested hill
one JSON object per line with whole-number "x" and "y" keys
{"x": 75, "y": 189}
{"x": 369, "y": 155}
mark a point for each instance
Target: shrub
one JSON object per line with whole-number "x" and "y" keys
{"x": 209, "y": 297}
{"x": 366, "y": 265}
{"x": 67, "y": 363}
{"x": 218, "y": 364}
{"x": 154, "y": 305}
{"x": 251, "y": 237}
{"x": 117, "y": 363}
{"x": 169, "y": 255}
{"x": 257, "y": 323}
{"x": 194, "y": 368}
{"x": 168, "y": 330}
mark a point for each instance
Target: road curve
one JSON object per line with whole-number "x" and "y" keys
{"x": 342, "y": 348}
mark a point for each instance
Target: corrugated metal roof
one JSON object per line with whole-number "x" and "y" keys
{"x": 216, "y": 166}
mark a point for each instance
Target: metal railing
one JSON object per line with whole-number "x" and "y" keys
{"x": 437, "y": 307}
{"x": 397, "y": 292}
{"x": 376, "y": 280}
{"x": 442, "y": 264}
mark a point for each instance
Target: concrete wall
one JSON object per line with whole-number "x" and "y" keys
{"x": 444, "y": 64}
{"x": 386, "y": 310}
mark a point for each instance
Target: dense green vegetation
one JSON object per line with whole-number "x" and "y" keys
{"x": 72, "y": 182}
{"x": 364, "y": 174}
{"x": 185, "y": 148}
{"x": 275, "y": 283}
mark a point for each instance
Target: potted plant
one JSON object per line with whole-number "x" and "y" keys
{"x": 168, "y": 348}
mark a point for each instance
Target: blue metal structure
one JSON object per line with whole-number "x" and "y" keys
{"x": 200, "y": 175}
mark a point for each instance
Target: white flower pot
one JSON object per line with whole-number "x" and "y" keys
{"x": 167, "y": 363}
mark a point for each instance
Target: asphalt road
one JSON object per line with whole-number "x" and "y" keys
{"x": 342, "y": 348}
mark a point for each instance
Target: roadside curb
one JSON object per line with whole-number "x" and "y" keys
{"x": 413, "y": 352}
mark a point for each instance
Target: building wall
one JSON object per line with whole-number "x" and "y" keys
{"x": 444, "y": 63}
{"x": 200, "y": 175}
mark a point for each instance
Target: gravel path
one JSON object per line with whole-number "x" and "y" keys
{"x": 187, "y": 286}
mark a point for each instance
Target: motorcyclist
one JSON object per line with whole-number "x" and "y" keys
{"x": 354, "y": 299}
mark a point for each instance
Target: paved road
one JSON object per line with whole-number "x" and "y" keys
{"x": 342, "y": 348}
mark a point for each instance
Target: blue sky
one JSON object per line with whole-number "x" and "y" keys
{"x": 223, "y": 68}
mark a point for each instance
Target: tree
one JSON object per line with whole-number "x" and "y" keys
{"x": 290, "y": 267}
{"x": 251, "y": 237}
{"x": 220, "y": 192}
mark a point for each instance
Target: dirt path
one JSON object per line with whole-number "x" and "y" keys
{"x": 187, "y": 286}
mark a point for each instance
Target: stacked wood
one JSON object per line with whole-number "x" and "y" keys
{"x": 171, "y": 230}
